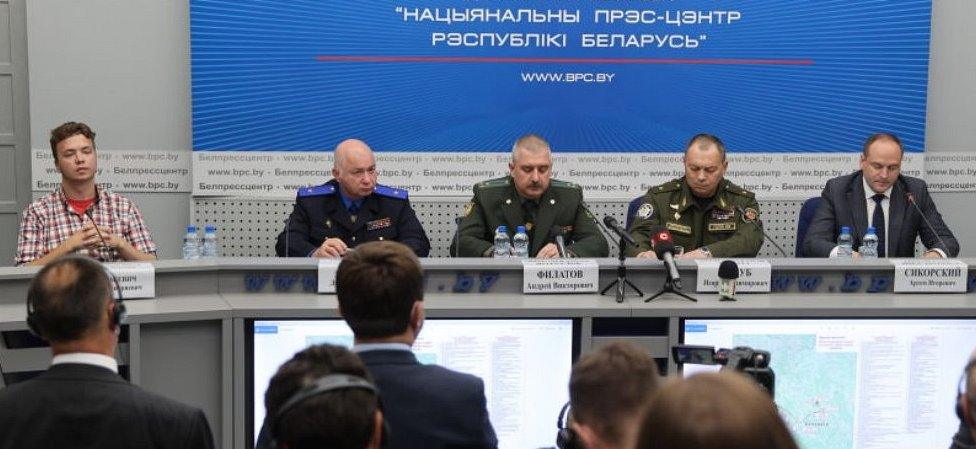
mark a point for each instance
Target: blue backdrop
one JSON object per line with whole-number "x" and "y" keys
{"x": 789, "y": 76}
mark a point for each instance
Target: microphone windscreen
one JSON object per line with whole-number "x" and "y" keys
{"x": 610, "y": 221}
{"x": 728, "y": 269}
{"x": 662, "y": 247}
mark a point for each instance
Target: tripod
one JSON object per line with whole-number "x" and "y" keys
{"x": 621, "y": 283}
{"x": 670, "y": 286}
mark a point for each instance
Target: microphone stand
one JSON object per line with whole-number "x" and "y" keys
{"x": 621, "y": 283}
{"x": 670, "y": 287}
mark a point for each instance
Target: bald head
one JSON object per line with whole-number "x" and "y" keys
{"x": 354, "y": 168}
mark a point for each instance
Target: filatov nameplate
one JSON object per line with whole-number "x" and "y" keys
{"x": 327, "y": 275}
{"x": 930, "y": 275}
{"x": 137, "y": 280}
{"x": 755, "y": 275}
{"x": 560, "y": 276}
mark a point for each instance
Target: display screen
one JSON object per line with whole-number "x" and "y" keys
{"x": 855, "y": 383}
{"x": 525, "y": 365}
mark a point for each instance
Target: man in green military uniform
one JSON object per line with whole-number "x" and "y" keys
{"x": 529, "y": 197}
{"x": 705, "y": 213}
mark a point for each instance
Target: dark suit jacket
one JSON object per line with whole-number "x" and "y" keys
{"x": 319, "y": 214}
{"x": 843, "y": 204}
{"x": 429, "y": 406}
{"x": 425, "y": 406}
{"x": 85, "y": 406}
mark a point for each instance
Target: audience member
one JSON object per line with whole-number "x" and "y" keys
{"x": 966, "y": 407}
{"x": 81, "y": 401}
{"x": 713, "y": 411}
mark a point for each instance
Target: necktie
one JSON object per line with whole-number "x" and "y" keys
{"x": 878, "y": 221}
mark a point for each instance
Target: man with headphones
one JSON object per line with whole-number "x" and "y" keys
{"x": 608, "y": 391}
{"x": 323, "y": 398}
{"x": 966, "y": 407}
{"x": 81, "y": 401}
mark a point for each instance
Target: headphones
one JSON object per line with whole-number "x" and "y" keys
{"x": 961, "y": 398}
{"x": 566, "y": 436}
{"x": 322, "y": 385}
{"x": 118, "y": 307}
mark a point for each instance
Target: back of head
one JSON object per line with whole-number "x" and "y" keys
{"x": 610, "y": 387}
{"x": 723, "y": 410}
{"x": 66, "y": 299}
{"x": 377, "y": 286}
{"x": 338, "y": 419}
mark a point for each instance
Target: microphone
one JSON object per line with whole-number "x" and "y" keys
{"x": 911, "y": 199}
{"x": 88, "y": 213}
{"x": 766, "y": 237}
{"x": 664, "y": 248}
{"x": 457, "y": 236}
{"x": 619, "y": 230}
{"x": 728, "y": 272}
{"x": 558, "y": 238}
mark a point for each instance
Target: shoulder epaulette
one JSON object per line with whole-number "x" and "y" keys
{"x": 320, "y": 190}
{"x": 564, "y": 184}
{"x": 669, "y": 186}
{"x": 497, "y": 182}
{"x": 736, "y": 190}
{"x": 391, "y": 192}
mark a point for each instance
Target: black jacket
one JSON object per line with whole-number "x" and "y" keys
{"x": 843, "y": 204}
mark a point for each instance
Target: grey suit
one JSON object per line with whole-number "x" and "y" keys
{"x": 85, "y": 406}
{"x": 843, "y": 204}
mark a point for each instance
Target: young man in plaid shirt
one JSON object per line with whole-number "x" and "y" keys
{"x": 80, "y": 216}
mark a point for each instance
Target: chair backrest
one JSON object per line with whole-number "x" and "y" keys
{"x": 807, "y": 211}
{"x": 632, "y": 210}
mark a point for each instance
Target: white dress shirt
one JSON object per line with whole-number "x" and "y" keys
{"x": 87, "y": 358}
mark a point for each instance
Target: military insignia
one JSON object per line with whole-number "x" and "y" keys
{"x": 723, "y": 214}
{"x": 674, "y": 206}
{"x": 721, "y": 227}
{"x": 328, "y": 223}
{"x": 508, "y": 201}
{"x": 750, "y": 215}
{"x": 379, "y": 224}
{"x": 468, "y": 208}
{"x": 679, "y": 228}
{"x": 677, "y": 215}
{"x": 552, "y": 201}
{"x": 645, "y": 211}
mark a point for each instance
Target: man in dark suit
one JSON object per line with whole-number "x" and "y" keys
{"x": 81, "y": 401}
{"x": 380, "y": 291}
{"x": 350, "y": 209}
{"x": 880, "y": 196}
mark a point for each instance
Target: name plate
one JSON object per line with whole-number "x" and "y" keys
{"x": 755, "y": 275}
{"x": 560, "y": 276}
{"x": 930, "y": 275}
{"x": 327, "y": 275}
{"x": 137, "y": 280}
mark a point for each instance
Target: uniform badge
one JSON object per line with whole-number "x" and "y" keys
{"x": 468, "y": 208}
{"x": 678, "y": 228}
{"x": 728, "y": 226}
{"x": 677, "y": 215}
{"x": 723, "y": 214}
{"x": 674, "y": 206}
{"x": 645, "y": 211}
{"x": 379, "y": 224}
{"x": 750, "y": 215}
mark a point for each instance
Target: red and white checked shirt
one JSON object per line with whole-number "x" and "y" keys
{"x": 49, "y": 222}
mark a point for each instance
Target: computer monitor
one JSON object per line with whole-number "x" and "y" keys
{"x": 525, "y": 365}
{"x": 856, "y": 383}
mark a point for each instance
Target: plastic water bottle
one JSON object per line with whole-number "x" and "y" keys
{"x": 210, "y": 248}
{"x": 191, "y": 244}
{"x": 869, "y": 244}
{"x": 503, "y": 246}
{"x": 520, "y": 241}
{"x": 845, "y": 243}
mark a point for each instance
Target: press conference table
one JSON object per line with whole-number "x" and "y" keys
{"x": 189, "y": 341}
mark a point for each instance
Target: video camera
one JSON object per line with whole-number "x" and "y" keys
{"x": 752, "y": 362}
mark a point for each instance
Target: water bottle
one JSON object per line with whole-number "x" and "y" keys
{"x": 845, "y": 243}
{"x": 869, "y": 244}
{"x": 503, "y": 247}
{"x": 520, "y": 241}
{"x": 210, "y": 248}
{"x": 191, "y": 244}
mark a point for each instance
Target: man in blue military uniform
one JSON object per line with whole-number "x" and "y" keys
{"x": 350, "y": 209}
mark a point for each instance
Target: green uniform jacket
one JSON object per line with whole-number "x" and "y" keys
{"x": 496, "y": 203}
{"x": 720, "y": 226}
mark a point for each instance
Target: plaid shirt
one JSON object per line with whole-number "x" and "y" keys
{"x": 49, "y": 222}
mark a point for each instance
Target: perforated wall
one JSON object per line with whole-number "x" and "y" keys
{"x": 248, "y": 228}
